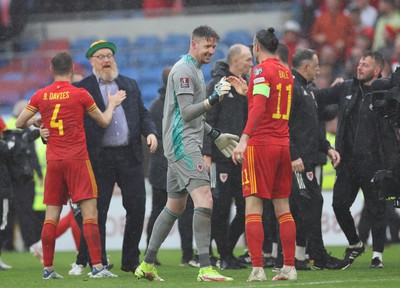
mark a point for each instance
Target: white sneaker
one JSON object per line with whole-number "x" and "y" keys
{"x": 286, "y": 273}
{"x": 37, "y": 250}
{"x": 257, "y": 274}
{"x": 4, "y": 266}
{"x": 77, "y": 269}
{"x": 102, "y": 273}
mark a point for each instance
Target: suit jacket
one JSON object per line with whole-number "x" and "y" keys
{"x": 137, "y": 116}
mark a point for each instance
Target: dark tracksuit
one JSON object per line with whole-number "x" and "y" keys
{"x": 366, "y": 143}
{"x": 229, "y": 116}
{"x": 306, "y": 141}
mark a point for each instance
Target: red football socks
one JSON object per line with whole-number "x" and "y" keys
{"x": 255, "y": 238}
{"x": 92, "y": 237}
{"x": 287, "y": 231}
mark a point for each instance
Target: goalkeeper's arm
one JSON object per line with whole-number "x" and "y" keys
{"x": 224, "y": 141}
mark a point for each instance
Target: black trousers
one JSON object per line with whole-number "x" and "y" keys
{"x": 4, "y": 220}
{"x": 351, "y": 176}
{"x": 306, "y": 204}
{"x": 30, "y": 221}
{"x": 229, "y": 187}
{"x": 118, "y": 165}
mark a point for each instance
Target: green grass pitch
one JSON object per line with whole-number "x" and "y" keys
{"x": 27, "y": 272}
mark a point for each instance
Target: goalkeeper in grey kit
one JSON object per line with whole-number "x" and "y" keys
{"x": 183, "y": 129}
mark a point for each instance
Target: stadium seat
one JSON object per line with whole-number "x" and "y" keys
{"x": 14, "y": 76}
{"x": 237, "y": 36}
{"x": 27, "y": 45}
{"x": 80, "y": 45}
{"x": 169, "y": 57}
{"x": 176, "y": 40}
{"x": 121, "y": 42}
{"x": 146, "y": 43}
{"x": 150, "y": 76}
{"x": 54, "y": 44}
{"x": 129, "y": 72}
{"x": 140, "y": 59}
{"x": 149, "y": 93}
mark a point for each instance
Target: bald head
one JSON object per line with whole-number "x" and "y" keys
{"x": 240, "y": 59}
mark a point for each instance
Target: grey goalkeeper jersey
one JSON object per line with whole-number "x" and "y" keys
{"x": 181, "y": 138}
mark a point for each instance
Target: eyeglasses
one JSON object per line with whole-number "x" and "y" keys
{"x": 103, "y": 57}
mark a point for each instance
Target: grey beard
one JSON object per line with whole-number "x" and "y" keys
{"x": 107, "y": 77}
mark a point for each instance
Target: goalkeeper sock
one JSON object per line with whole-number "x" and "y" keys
{"x": 48, "y": 241}
{"x": 161, "y": 229}
{"x": 202, "y": 234}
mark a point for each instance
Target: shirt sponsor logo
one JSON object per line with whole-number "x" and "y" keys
{"x": 258, "y": 71}
{"x": 223, "y": 177}
{"x": 200, "y": 167}
{"x": 310, "y": 175}
{"x": 184, "y": 82}
{"x": 259, "y": 80}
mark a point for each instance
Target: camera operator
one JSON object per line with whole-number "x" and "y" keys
{"x": 21, "y": 169}
{"x": 365, "y": 142}
{"x": 386, "y": 102}
{"x": 5, "y": 191}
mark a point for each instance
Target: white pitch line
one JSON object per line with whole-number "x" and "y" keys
{"x": 294, "y": 283}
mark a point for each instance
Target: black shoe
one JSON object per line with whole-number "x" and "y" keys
{"x": 376, "y": 263}
{"x": 195, "y": 261}
{"x": 213, "y": 260}
{"x": 231, "y": 263}
{"x": 331, "y": 263}
{"x": 301, "y": 265}
{"x": 352, "y": 253}
{"x": 130, "y": 268}
{"x": 245, "y": 258}
{"x": 269, "y": 262}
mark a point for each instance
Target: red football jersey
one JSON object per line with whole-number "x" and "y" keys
{"x": 273, "y": 127}
{"x": 2, "y": 125}
{"x": 62, "y": 107}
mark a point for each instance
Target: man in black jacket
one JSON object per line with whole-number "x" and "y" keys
{"x": 366, "y": 143}
{"x": 231, "y": 117}
{"x": 5, "y": 190}
{"x": 306, "y": 200}
{"x": 116, "y": 152}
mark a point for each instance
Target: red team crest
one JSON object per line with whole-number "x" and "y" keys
{"x": 184, "y": 82}
{"x": 200, "y": 167}
{"x": 310, "y": 175}
{"x": 223, "y": 177}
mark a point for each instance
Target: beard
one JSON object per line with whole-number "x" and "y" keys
{"x": 109, "y": 75}
{"x": 367, "y": 78}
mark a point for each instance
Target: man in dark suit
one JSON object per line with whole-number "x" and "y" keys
{"x": 116, "y": 152}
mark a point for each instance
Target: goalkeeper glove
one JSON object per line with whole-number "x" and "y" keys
{"x": 225, "y": 142}
{"x": 220, "y": 89}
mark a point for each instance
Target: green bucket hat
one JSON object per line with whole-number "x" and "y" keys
{"x": 100, "y": 45}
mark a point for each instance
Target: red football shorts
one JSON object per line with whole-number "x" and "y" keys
{"x": 72, "y": 178}
{"x": 267, "y": 172}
